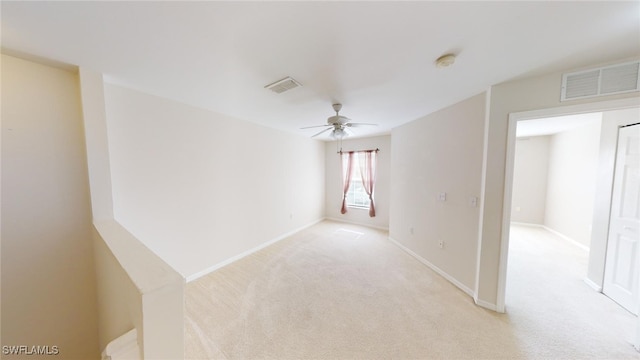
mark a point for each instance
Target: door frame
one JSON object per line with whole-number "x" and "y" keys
{"x": 591, "y": 107}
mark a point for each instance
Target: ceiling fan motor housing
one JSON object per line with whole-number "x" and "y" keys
{"x": 337, "y": 119}
{"x": 338, "y": 125}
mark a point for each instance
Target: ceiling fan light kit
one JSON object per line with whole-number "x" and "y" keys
{"x": 339, "y": 133}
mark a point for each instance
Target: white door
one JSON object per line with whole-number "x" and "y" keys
{"x": 622, "y": 267}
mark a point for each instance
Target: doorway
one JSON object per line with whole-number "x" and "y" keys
{"x": 554, "y": 175}
{"x": 595, "y": 275}
{"x": 554, "y": 183}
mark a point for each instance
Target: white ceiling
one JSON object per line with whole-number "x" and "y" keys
{"x": 554, "y": 125}
{"x": 376, "y": 58}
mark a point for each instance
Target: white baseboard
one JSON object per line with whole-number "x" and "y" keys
{"x": 217, "y": 266}
{"x": 565, "y": 237}
{"x": 440, "y": 272}
{"x": 486, "y": 305}
{"x": 358, "y": 223}
{"x": 593, "y": 285}
{"x": 526, "y": 224}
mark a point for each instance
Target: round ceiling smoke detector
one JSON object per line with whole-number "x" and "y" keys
{"x": 445, "y": 60}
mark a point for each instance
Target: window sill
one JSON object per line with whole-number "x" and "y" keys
{"x": 357, "y": 207}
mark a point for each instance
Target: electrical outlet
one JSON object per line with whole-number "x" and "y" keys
{"x": 441, "y": 244}
{"x": 473, "y": 201}
{"x": 442, "y": 196}
{"x": 411, "y": 230}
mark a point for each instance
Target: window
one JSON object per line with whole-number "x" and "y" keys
{"x": 356, "y": 196}
{"x": 357, "y": 181}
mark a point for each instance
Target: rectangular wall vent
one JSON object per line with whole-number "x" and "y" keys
{"x": 283, "y": 85}
{"x": 608, "y": 80}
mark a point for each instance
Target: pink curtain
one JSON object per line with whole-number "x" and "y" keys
{"x": 368, "y": 172}
{"x": 347, "y": 160}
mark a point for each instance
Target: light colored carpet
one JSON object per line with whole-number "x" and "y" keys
{"x": 338, "y": 291}
{"x": 553, "y": 312}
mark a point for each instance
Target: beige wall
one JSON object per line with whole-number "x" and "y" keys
{"x": 530, "y": 180}
{"x": 573, "y": 163}
{"x": 333, "y": 182}
{"x": 199, "y": 188}
{"x": 119, "y": 300}
{"x": 156, "y": 311}
{"x": 48, "y": 276}
{"x": 441, "y": 152}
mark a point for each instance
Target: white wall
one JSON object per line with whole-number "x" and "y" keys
{"x": 441, "y": 152}
{"x": 530, "y": 180}
{"x": 554, "y": 181}
{"x": 199, "y": 188}
{"x": 48, "y": 276}
{"x": 573, "y": 162}
{"x": 528, "y": 94}
{"x": 95, "y": 128}
{"x": 136, "y": 289}
{"x": 333, "y": 182}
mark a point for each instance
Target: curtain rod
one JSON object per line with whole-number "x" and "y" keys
{"x": 357, "y": 151}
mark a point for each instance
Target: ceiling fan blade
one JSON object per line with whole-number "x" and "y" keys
{"x": 359, "y": 124}
{"x": 322, "y": 132}
{"x": 349, "y": 132}
{"x": 311, "y": 127}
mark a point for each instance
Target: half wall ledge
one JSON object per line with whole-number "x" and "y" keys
{"x": 161, "y": 289}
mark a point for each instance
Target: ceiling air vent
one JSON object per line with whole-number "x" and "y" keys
{"x": 283, "y": 85}
{"x": 606, "y": 80}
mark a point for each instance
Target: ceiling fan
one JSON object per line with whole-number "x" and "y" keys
{"x": 340, "y": 125}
